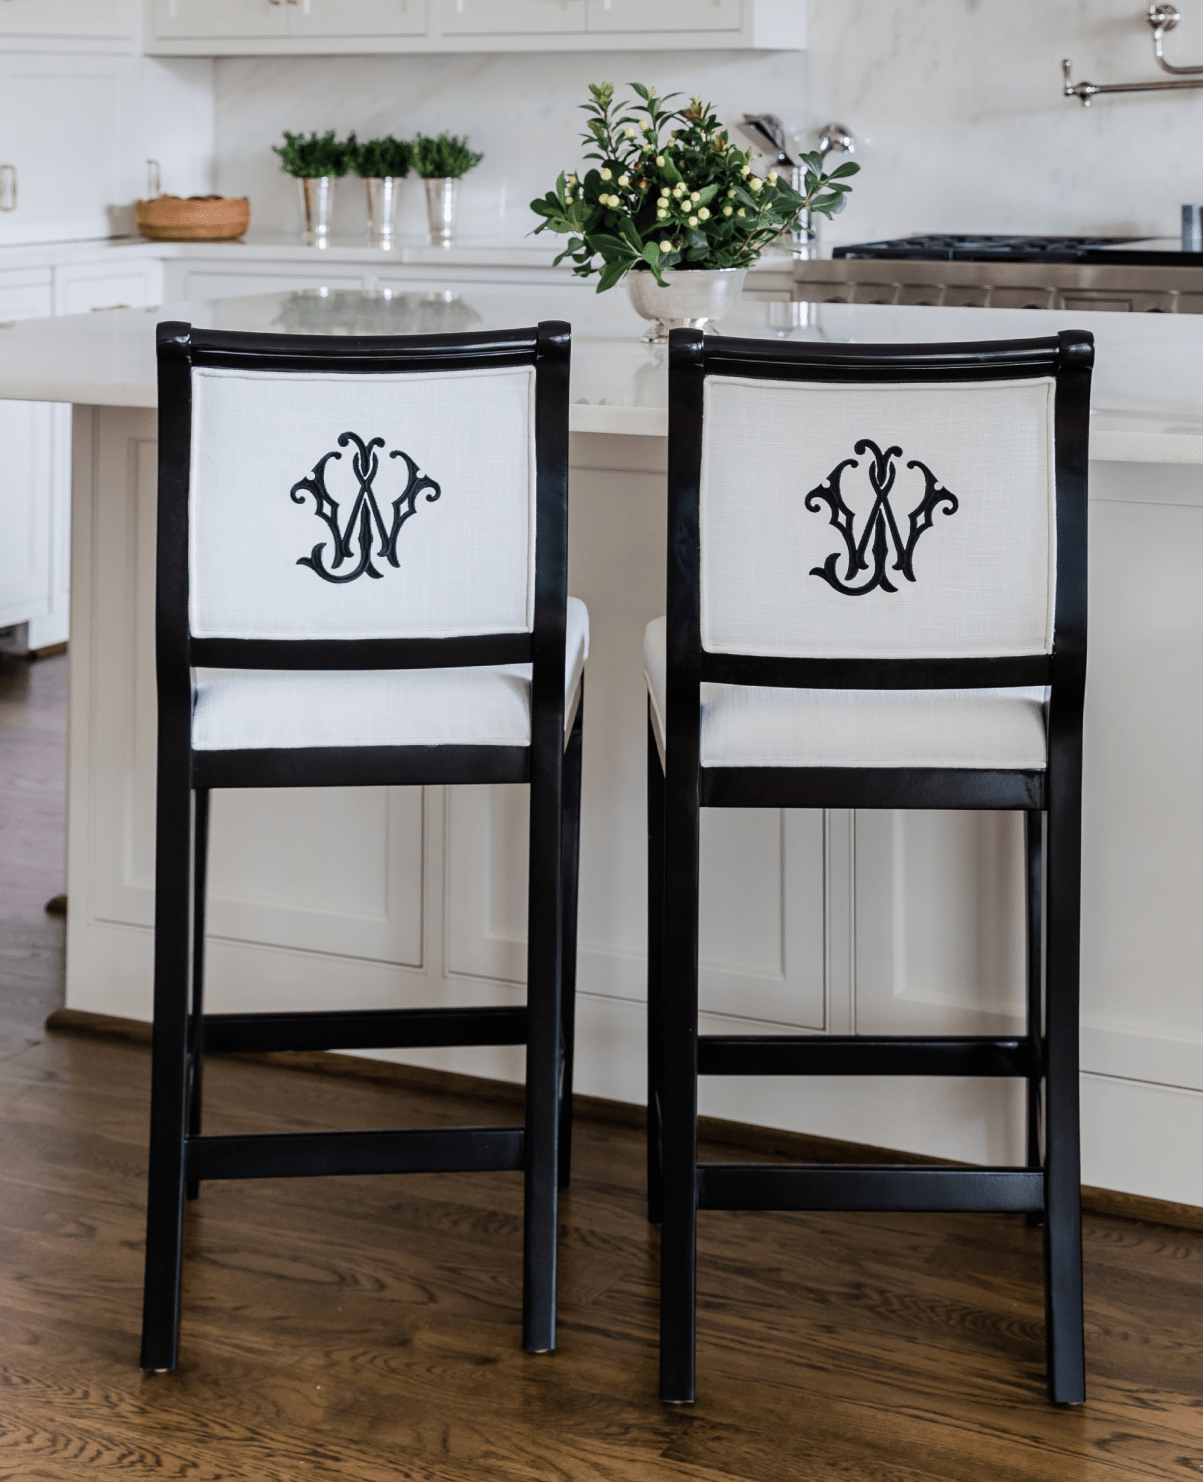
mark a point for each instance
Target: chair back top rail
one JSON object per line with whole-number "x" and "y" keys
{"x": 378, "y": 354}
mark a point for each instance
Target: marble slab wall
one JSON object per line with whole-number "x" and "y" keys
{"x": 957, "y": 105}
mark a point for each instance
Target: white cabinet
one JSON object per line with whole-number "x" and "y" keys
{"x": 511, "y": 17}
{"x": 35, "y": 512}
{"x": 261, "y": 20}
{"x": 51, "y": 25}
{"x": 69, "y": 128}
{"x": 350, "y": 18}
{"x": 297, "y": 27}
{"x": 665, "y": 15}
{"x": 27, "y": 436}
{"x": 229, "y": 20}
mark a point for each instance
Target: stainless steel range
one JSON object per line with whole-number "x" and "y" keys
{"x": 1149, "y": 274}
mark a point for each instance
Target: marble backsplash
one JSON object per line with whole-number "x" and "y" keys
{"x": 956, "y": 105}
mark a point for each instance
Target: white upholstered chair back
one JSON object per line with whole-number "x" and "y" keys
{"x": 881, "y": 520}
{"x": 359, "y": 506}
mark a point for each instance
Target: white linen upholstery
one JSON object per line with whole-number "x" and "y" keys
{"x": 760, "y": 726}
{"x": 242, "y": 709}
{"x": 984, "y": 573}
{"x": 465, "y": 558}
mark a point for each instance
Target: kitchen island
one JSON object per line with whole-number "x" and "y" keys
{"x": 871, "y": 922}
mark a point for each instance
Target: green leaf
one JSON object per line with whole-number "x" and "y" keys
{"x": 849, "y": 169}
{"x": 612, "y": 273}
{"x": 706, "y": 195}
{"x": 627, "y": 227}
{"x": 610, "y": 246}
{"x": 670, "y": 171}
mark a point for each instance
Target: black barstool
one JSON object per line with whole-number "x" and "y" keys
{"x": 876, "y": 599}
{"x": 362, "y": 580}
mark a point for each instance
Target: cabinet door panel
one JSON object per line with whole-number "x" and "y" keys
{"x": 357, "y": 18}
{"x": 83, "y": 19}
{"x": 665, "y": 15}
{"x": 24, "y": 511}
{"x": 511, "y": 17}
{"x": 202, "y": 19}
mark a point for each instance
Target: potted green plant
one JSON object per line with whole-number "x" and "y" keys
{"x": 442, "y": 162}
{"x": 382, "y": 164}
{"x": 674, "y": 207}
{"x": 317, "y": 162}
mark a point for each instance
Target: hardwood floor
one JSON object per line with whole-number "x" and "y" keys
{"x": 368, "y": 1329}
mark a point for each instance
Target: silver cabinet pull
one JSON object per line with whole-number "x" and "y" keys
{"x": 8, "y": 187}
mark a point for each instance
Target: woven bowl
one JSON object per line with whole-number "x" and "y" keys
{"x": 197, "y": 219}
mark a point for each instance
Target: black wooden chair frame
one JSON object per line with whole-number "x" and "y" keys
{"x": 180, "y": 1156}
{"x": 1046, "y": 1057}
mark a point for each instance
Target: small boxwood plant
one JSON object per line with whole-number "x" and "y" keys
{"x": 377, "y": 159}
{"x": 445, "y": 157}
{"x": 320, "y": 154}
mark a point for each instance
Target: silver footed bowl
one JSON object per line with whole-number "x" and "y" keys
{"x": 690, "y": 300}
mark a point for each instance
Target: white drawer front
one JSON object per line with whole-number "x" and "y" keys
{"x": 25, "y": 295}
{"x": 105, "y": 286}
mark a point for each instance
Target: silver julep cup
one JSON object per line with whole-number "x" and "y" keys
{"x": 317, "y": 202}
{"x": 441, "y": 196}
{"x": 382, "y": 209}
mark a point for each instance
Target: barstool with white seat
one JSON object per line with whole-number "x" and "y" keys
{"x": 362, "y": 580}
{"x": 876, "y": 598}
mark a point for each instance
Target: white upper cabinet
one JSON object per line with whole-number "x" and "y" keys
{"x": 349, "y": 18}
{"x": 68, "y": 25}
{"x": 297, "y": 27}
{"x": 666, "y": 15}
{"x": 210, "y": 20}
{"x": 511, "y": 17}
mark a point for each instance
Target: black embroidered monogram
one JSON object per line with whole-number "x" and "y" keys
{"x": 881, "y": 526}
{"x": 365, "y": 520}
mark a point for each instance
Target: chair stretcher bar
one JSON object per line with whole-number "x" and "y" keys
{"x": 309, "y": 1154}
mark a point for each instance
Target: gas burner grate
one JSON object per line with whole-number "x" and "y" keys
{"x": 975, "y": 248}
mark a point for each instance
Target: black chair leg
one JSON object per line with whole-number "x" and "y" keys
{"x": 655, "y": 970}
{"x": 165, "y": 1192}
{"x": 196, "y": 1021}
{"x": 679, "y": 1092}
{"x": 1033, "y": 823}
{"x": 544, "y": 1036}
{"x": 571, "y": 845}
{"x": 1062, "y": 1156}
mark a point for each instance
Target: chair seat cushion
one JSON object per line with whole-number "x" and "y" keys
{"x": 246, "y": 709}
{"x": 760, "y": 726}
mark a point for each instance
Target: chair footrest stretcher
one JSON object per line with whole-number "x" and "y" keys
{"x": 862, "y": 1186}
{"x": 362, "y": 1029}
{"x": 307, "y": 1154}
{"x": 854, "y": 1054}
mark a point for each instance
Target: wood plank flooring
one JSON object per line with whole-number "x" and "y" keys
{"x": 368, "y": 1329}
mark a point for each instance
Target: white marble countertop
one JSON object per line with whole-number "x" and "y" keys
{"x": 1148, "y": 384}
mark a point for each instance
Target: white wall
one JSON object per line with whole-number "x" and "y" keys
{"x": 957, "y": 104}
{"x": 521, "y": 110}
